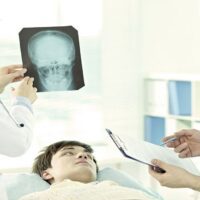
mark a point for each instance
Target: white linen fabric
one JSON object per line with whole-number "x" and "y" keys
{"x": 73, "y": 190}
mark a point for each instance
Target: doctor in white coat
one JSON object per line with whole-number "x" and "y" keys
{"x": 14, "y": 140}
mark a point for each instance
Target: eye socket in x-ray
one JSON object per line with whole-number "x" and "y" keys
{"x": 52, "y": 56}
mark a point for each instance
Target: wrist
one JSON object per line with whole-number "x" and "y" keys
{"x": 194, "y": 182}
{"x": 23, "y": 101}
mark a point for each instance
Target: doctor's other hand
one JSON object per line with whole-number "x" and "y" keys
{"x": 26, "y": 89}
{"x": 10, "y": 74}
{"x": 174, "y": 177}
{"x": 187, "y": 143}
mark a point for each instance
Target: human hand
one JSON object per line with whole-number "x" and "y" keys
{"x": 187, "y": 143}
{"x": 174, "y": 177}
{"x": 26, "y": 89}
{"x": 10, "y": 74}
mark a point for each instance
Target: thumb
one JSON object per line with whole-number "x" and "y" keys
{"x": 159, "y": 163}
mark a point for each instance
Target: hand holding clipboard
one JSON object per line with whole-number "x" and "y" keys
{"x": 121, "y": 146}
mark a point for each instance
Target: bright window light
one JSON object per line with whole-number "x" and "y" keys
{"x": 14, "y": 15}
{"x": 85, "y": 15}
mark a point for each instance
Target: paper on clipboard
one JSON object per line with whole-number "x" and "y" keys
{"x": 145, "y": 151}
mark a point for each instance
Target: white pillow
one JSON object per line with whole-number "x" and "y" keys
{"x": 20, "y": 184}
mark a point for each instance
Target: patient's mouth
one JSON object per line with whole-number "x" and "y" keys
{"x": 82, "y": 162}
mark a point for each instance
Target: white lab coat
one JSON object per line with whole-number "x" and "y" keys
{"x": 14, "y": 141}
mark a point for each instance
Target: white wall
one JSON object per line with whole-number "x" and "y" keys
{"x": 121, "y": 66}
{"x": 171, "y": 36}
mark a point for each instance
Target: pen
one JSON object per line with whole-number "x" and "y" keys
{"x": 170, "y": 140}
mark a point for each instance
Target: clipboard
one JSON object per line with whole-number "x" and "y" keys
{"x": 122, "y": 148}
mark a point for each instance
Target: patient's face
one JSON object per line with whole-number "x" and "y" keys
{"x": 74, "y": 163}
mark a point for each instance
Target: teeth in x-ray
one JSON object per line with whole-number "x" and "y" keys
{"x": 53, "y": 54}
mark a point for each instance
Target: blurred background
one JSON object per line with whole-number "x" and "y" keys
{"x": 122, "y": 42}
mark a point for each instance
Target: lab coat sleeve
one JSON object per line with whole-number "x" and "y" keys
{"x": 14, "y": 141}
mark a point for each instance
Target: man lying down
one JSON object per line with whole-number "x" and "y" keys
{"x": 71, "y": 170}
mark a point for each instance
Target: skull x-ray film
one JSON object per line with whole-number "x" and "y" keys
{"x": 52, "y": 56}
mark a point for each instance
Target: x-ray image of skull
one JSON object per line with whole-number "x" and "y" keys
{"x": 52, "y": 53}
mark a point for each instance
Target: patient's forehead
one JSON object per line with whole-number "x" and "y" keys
{"x": 74, "y": 148}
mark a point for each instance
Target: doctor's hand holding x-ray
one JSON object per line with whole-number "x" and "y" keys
{"x": 186, "y": 144}
{"x": 14, "y": 140}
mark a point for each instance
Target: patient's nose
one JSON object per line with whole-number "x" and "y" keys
{"x": 82, "y": 155}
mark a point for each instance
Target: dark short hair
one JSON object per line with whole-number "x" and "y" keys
{"x": 43, "y": 160}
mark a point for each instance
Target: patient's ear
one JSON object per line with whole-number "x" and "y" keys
{"x": 46, "y": 175}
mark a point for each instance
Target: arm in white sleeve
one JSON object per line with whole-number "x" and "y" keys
{"x": 14, "y": 141}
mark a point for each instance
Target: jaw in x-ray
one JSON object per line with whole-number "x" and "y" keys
{"x": 52, "y": 54}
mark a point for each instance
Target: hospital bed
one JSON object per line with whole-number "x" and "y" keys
{"x": 19, "y": 184}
